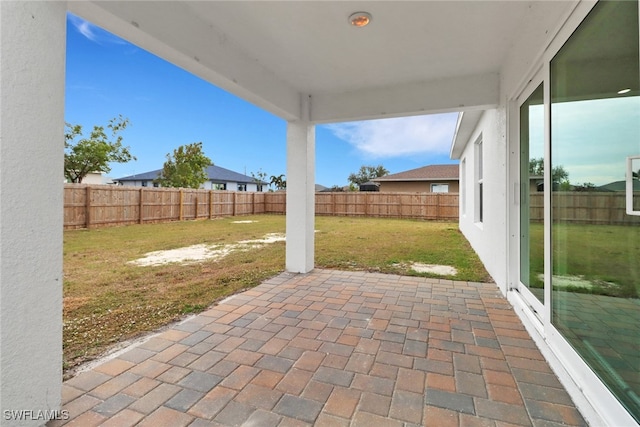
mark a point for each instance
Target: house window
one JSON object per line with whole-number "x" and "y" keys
{"x": 155, "y": 184}
{"x": 259, "y": 187}
{"x": 439, "y": 188}
{"x": 242, "y": 187}
{"x": 219, "y": 186}
{"x": 479, "y": 193}
{"x": 144, "y": 183}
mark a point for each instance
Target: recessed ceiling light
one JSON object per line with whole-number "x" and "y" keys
{"x": 623, "y": 91}
{"x": 360, "y": 19}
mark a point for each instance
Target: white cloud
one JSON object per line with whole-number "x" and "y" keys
{"x": 93, "y": 32}
{"x": 85, "y": 28}
{"x": 401, "y": 137}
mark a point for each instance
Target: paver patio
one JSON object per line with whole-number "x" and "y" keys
{"x": 333, "y": 348}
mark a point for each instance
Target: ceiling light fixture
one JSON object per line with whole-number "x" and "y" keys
{"x": 623, "y": 91}
{"x": 360, "y": 19}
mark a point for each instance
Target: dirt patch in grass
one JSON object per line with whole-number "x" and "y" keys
{"x": 198, "y": 253}
{"x": 443, "y": 270}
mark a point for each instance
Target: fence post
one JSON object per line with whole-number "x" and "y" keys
{"x": 438, "y": 201}
{"x": 180, "y": 208}
{"x": 141, "y": 220}
{"x": 87, "y": 203}
{"x": 366, "y": 204}
{"x": 333, "y": 204}
{"x": 253, "y": 203}
{"x": 210, "y": 204}
{"x": 233, "y": 211}
{"x": 196, "y": 215}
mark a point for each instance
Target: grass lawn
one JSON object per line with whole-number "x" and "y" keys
{"x": 604, "y": 255}
{"x": 108, "y": 300}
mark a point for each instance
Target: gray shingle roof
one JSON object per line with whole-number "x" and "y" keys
{"x": 425, "y": 173}
{"x": 215, "y": 173}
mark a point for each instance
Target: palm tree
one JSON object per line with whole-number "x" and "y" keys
{"x": 279, "y": 182}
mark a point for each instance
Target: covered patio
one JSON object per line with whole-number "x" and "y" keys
{"x": 332, "y": 348}
{"x": 328, "y": 347}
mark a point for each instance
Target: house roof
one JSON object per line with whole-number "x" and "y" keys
{"x": 425, "y": 173}
{"x": 215, "y": 174}
{"x": 619, "y": 186}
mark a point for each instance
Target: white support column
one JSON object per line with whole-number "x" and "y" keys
{"x": 301, "y": 205}
{"x": 32, "y": 67}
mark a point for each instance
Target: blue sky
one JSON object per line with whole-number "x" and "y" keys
{"x": 168, "y": 107}
{"x": 573, "y": 126}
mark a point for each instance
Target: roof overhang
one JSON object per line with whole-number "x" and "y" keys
{"x": 467, "y": 122}
{"x": 416, "y": 57}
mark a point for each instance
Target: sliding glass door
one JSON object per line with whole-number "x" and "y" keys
{"x": 595, "y": 136}
{"x": 579, "y": 152}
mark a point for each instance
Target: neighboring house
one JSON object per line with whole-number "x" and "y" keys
{"x": 95, "y": 178}
{"x": 536, "y": 184}
{"x": 427, "y": 179}
{"x": 218, "y": 179}
{"x": 319, "y": 188}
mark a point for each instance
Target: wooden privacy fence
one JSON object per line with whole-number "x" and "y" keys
{"x": 432, "y": 206}
{"x": 87, "y": 206}
{"x": 100, "y": 206}
{"x": 591, "y": 207}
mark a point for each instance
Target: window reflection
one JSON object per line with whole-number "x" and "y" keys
{"x": 532, "y": 193}
{"x": 595, "y": 126}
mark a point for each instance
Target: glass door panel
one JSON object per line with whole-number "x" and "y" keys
{"x": 595, "y": 128}
{"x": 532, "y": 194}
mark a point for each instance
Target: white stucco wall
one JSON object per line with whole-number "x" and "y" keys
{"x": 32, "y": 65}
{"x": 254, "y": 187}
{"x": 130, "y": 183}
{"x": 491, "y": 239}
{"x": 488, "y": 238}
{"x": 93, "y": 178}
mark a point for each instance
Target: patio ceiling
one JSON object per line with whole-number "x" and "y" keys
{"x": 414, "y": 57}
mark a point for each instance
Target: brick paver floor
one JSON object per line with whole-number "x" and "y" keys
{"x": 333, "y": 348}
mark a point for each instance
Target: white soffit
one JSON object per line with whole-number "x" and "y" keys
{"x": 467, "y": 122}
{"x": 414, "y": 57}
